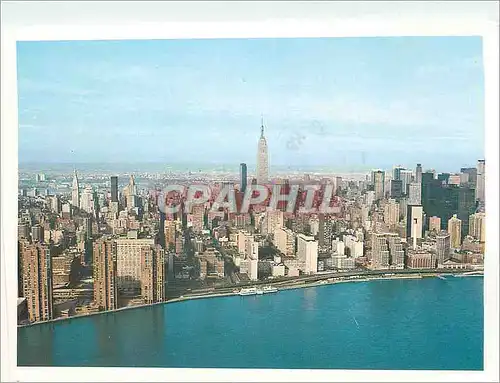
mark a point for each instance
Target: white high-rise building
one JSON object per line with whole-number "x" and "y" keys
{"x": 405, "y": 176}
{"x": 75, "y": 192}
{"x": 87, "y": 200}
{"x": 415, "y": 194}
{"x": 128, "y": 260}
{"x": 284, "y": 240}
{"x": 247, "y": 245}
{"x": 262, "y": 159}
{"x": 391, "y": 212}
{"x": 414, "y": 221}
{"x": 370, "y": 198}
{"x": 480, "y": 187}
{"x": 274, "y": 220}
{"x": 253, "y": 269}
{"x": 307, "y": 251}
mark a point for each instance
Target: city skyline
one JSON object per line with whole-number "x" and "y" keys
{"x": 427, "y": 98}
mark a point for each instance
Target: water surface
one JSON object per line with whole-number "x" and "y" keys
{"x": 389, "y": 324}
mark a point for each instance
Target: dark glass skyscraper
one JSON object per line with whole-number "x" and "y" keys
{"x": 396, "y": 174}
{"x": 396, "y": 188}
{"x": 114, "y": 189}
{"x": 243, "y": 177}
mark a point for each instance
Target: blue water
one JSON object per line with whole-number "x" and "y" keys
{"x": 392, "y": 324}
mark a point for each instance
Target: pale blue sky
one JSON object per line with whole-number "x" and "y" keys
{"x": 337, "y": 102}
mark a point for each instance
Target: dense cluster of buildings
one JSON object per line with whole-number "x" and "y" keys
{"x": 99, "y": 246}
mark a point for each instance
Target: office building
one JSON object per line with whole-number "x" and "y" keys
{"x": 37, "y": 280}
{"x": 414, "y": 194}
{"x": 391, "y": 212}
{"x": 443, "y": 246}
{"x": 406, "y": 178}
{"x": 170, "y": 231}
{"x": 284, "y": 240}
{"x": 455, "y": 231}
{"x": 55, "y": 204}
{"x": 480, "y": 186}
{"x": 418, "y": 174}
{"x": 197, "y": 218}
{"x": 380, "y": 251}
{"x": 75, "y": 191}
{"x": 262, "y": 159}
{"x": 421, "y": 259}
{"x": 378, "y": 177}
{"x": 465, "y": 198}
{"x": 307, "y": 252}
{"x": 37, "y": 234}
{"x": 105, "y": 272}
{"x": 23, "y": 231}
{"x": 153, "y": 274}
{"x": 274, "y": 219}
{"x": 396, "y": 252}
{"x": 477, "y": 227}
{"x": 87, "y": 200}
{"x": 114, "y": 189}
{"x": 396, "y": 189}
{"x": 128, "y": 263}
{"x": 396, "y": 173}
{"x": 243, "y": 177}
{"x": 414, "y": 222}
{"x": 472, "y": 176}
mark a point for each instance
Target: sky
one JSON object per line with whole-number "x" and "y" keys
{"x": 335, "y": 102}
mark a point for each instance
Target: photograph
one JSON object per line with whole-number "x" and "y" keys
{"x": 252, "y": 203}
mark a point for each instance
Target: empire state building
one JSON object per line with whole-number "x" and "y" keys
{"x": 262, "y": 159}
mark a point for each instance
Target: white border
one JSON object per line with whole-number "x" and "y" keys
{"x": 110, "y": 20}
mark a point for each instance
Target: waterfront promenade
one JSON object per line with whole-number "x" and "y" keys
{"x": 316, "y": 280}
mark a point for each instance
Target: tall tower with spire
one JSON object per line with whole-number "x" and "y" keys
{"x": 262, "y": 158}
{"x": 75, "y": 191}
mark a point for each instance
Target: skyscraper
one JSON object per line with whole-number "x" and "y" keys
{"x": 75, "y": 192}
{"x": 243, "y": 177}
{"x": 480, "y": 186}
{"x": 455, "y": 231}
{"x": 378, "y": 183}
{"x": 391, "y": 212}
{"x": 396, "y": 188}
{"x": 37, "y": 234}
{"x": 307, "y": 252}
{"x": 477, "y": 226}
{"x": 414, "y": 194}
{"x": 37, "y": 280}
{"x": 418, "y": 174}
{"x": 380, "y": 251}
{"x": 114, "y": 189}
{"x": 128, "y": 263}
{"x": 405, "y": 176}
{"x": 396, "y": 173}
{"x": 442, "y": 246}
{"x": 104, "y": 266}
{"x": 262, "y": 158}
{"x": 321, "y": 230}
{"x": 466, "y": 206}
{"x": 414, "y": 224}
{"x": 152, "y": 274}
{"x": 131, "y": 193}
{"x": 87, "y": 200}
{"x": 472, "y": 173}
